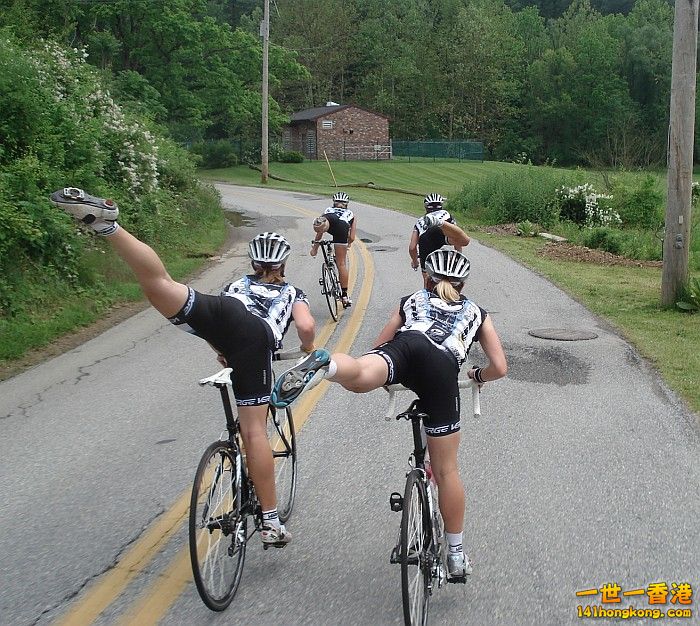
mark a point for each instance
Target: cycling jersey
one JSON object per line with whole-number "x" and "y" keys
{"x": 452, "y": 327}
{"x": 339, "y": 223}
{"x": 431, "y": 238}
{"x": 271, "y": 302}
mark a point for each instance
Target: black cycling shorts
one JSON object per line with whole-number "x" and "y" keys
{"x": 433, "y": 239}
{"x": 244, "y": 339}
{"x": 337, "y": 228}
{"x": 415, "y": 362}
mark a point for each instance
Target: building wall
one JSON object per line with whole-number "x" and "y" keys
{"x": 301, "y": 137}
{"x": 353, "y": 134}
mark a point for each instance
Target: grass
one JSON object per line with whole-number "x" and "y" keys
{"x": 627, "y": 297}
{"x": 53, "y": 308}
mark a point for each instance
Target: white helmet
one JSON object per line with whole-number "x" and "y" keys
{"x": 269, "y": 248}
{"x": 433, "y": 201}
{"x": 447, "y": 264}
{"x": 341, "y": 196}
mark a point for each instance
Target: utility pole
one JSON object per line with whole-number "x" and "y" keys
{"x": 265, "y": 28}
{"x": 680, "y": 151}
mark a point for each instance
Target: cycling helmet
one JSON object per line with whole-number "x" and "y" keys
{"x": 433, "y": 201}
{"x": 341, "y": 196}
{"x": 447, "y": 264}
{"x": 269, "y": 248}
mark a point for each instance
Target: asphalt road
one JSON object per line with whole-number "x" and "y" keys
{"x": 583, "y": 470}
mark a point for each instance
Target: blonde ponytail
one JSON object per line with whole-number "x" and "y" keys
{"x": 446, "y": 291}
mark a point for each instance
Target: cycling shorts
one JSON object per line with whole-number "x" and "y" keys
{"x": 430, "y": 373}
{"x": 338, "y": 229}
{"x": 243, "y": 338}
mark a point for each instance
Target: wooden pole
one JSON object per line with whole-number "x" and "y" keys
{"x": 680, "y": 151}
{"x": 264, "y": 151}
{"x": 335, "y": 182}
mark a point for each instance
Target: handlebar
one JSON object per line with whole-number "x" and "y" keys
{"x": 462, "y": 384}
{"x": 323, "y": 242}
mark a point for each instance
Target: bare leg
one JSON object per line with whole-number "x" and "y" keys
{"x": 341, "y": 255}
{"x": 259, "y": 459}
{"x": 360, "y": 375}
{"x": 166, "y": 295}
{"x": 443, "y": 460}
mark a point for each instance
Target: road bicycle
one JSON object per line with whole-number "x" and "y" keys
{"x": 224, "y": 509}
{"x": 330, "y": 279}
{"x": 421, "y": 546}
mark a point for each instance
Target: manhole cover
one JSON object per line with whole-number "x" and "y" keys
{"x": 562, "y": 334}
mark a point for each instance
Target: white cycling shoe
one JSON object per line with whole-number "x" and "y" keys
{"x": 98, "y": 213}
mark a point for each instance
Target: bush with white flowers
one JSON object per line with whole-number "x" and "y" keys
{"x": 584, "y": 206}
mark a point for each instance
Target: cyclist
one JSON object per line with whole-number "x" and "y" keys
{"x": 338, "y": 221}
{"x": 244, "y": 324}
{"x": 423, "y": 347}
{"x": 432, "y": 231}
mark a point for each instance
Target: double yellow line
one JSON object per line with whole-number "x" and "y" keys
{"x": 155, "y": 601}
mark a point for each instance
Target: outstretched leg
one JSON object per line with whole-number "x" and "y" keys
{"x": 166, "y": 295}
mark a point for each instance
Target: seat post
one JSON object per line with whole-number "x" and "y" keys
{"x": 228, "y": 410}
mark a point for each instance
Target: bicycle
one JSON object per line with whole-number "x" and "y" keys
{"x": 330, "y": 279}
{"x": 420, "y": 548}
{"x": 223, "y": 497}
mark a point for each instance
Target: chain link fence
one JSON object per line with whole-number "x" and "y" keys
{"x": 434, "y": 150}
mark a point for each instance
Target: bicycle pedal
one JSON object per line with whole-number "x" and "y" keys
{"x": 396, "y": 502}
{"x": 457, "y": 579}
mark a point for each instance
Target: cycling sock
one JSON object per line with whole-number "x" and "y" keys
{"x": 104, "y": 228}
{"x": 270, "y": 518}
{"x": 454, "y": 540}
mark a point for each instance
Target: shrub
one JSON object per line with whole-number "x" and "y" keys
{"x": 514, "y": 195}
{"x": 582, "y": 205}
{"x": 218, "y": 153}
{"x": 691, "y": 298}
{"x": 603, "y": 239}
{"x": 291, "y": 157}
{"x": 528, "y": 229}
{"x": 640, "y": 206}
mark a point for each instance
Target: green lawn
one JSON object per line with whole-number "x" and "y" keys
{"x": 627, "y": 297}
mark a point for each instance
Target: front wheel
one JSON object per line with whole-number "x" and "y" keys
{"x": 217, "y": 527}
{"x": 331, "y": 286}
{"x": 415, "y": 551}
{"x": 283, "y": 442}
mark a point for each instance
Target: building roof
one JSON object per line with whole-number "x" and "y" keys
{"x": 316, "y": 112}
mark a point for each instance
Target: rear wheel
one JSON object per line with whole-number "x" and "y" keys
{"x": 415, "y": 552}
{"x": 217, "y": 527}
{"x": 330, "y": 289}
{"x": 283, "y": 442}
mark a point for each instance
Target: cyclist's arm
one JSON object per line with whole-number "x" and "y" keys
{"x": 351, "y": 234}
{"x": 314, "y": 244}
{"x": 491, "y": 345}
{"x": 455, "y": 235}
{"x": 413, "y": 249}
{"x": 388, "y": 332}
{"x": 305, "y": 324}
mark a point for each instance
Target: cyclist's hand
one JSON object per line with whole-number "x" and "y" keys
{"x": 414, "y": 265}
{"x": 314, "y": 250}
{"x": 470, "y": 375}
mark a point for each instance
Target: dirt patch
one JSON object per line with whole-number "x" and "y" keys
{"x": 581, "y": 254}
{"x": 501, "y": 229}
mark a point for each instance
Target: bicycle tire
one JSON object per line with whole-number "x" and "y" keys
{"x": 330, "y": 290}
{"x": 217, "y": 526}
{"x": 415, "y": 551}
{"x": 283, "y": 442}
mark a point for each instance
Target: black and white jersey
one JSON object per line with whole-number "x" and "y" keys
{"x": 271, "y": 302}
{"x": 344, "y": 215}
{"x": 452, "y": 327}
{"x": 422, "y": 228}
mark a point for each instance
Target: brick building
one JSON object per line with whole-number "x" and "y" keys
{"x": 343, "y": 131}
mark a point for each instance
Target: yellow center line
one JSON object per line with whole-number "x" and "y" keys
{"x": 155, "y": 601}
{"x": 113, "y": 583}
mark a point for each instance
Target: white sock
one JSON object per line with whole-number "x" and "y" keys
{"x": 270, "y": 518}
{"x": 332, "y": 369}
{"x": 104, "y": 228}
{"x": 454, "y": 540}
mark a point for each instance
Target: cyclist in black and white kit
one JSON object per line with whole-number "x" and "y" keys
{"x": 244, "y": 324}
{"x": 423, "y": 346}
{"x": 339, "y": 222}
{"x": 434, "y": 230}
